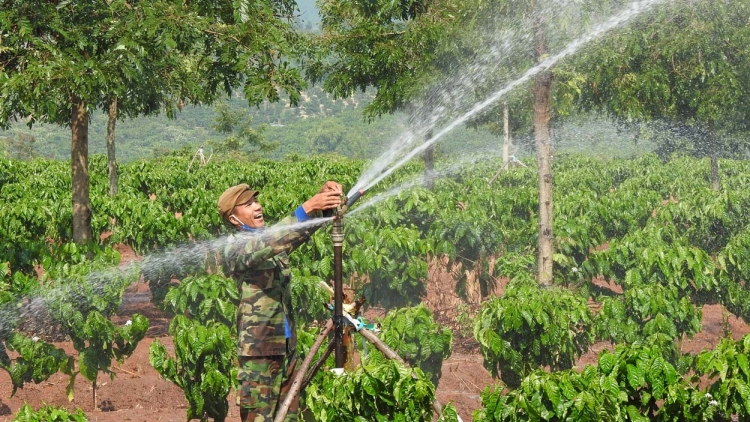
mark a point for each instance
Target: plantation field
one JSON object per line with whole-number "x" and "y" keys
{"x": 644, "y": 320}
{"x": 140, "y": 394}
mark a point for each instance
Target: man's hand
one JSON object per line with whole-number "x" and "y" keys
{"x": 323, "y": 201}
{"x": 330, "y": 186}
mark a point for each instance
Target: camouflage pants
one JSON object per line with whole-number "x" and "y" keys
{"x": 264, "y": 383}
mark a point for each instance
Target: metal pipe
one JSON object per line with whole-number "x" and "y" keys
{"x": 338, "y": 311}
{"x": 352, "y": 199}
{"x": 337, "y": 235}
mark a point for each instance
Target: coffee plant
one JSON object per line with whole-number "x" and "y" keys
{"x": 48, "y": 413}
{"x": 633, "y": 383}
{"x": 394, "y": 258}
{"x": 378, "y": 390}
{"x": 645, "y": 241}
{"x": 204, "y": 366}
{"x": 77, "y": 293}
{"x": 531, "y": 327}
{"x": 414, "y": 335}
{"x": 89, "y": 292}
{"x": 99, "y": 341}
{"x": 37, "y": 360}
{"x": 728, "y": 372}
{"x": 204, "y": 332}
{"x": 649, "y": 313}
{"x": 204, "y": 299}
{"x": 309, "y": 299}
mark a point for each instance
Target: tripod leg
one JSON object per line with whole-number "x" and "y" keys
{"x": 318, "y": 364}
{"x": 297, "y": 383}
{"x": 505, "y": 166}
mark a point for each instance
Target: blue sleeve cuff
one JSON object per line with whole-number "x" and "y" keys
{"x": 301, "y": 214}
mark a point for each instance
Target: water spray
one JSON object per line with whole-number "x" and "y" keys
{"x": 391, "y": 163}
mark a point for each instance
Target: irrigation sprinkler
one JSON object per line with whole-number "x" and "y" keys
{"x": 202, "y": 161}
{"x": 338, "y": 322}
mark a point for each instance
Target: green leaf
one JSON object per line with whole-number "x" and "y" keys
{"x": 636, "y": 377}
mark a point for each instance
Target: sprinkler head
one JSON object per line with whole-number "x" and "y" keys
{"x": 337, "y": 233}
{"x": 347, "y": 203}
{"x": 341, "y": 209}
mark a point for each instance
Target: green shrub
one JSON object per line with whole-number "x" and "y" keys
{"x": 531, "y": 327}
{"x": 415, "y": 336}
{"x": 48, "y": 414}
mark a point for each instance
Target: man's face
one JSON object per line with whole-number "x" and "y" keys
{"x": 250, "y": 213}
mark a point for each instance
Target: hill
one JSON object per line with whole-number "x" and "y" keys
{"x": 317, "y": 125}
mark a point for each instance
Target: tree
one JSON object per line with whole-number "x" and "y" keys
{"x": 542, "y": 96}
{"x": 392, "y": 46}
{"x": 687, "y": 66}
{"x": 328, "y": 138}
{"x": 401, "y": 49}
{"x": 111, "y": 152}
{"x": 20, "y": 147}
{"x": 513, "y": 35}
{"x": 532, "y": 36}
{"x": 61, "y": 60}
{"x": 237, "y": 126}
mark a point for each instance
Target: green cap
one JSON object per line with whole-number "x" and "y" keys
{"x": 236, "y": 195}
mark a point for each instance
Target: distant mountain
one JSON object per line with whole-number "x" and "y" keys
{"x": 318, "y": 125}
{"x": 144, "y": 136}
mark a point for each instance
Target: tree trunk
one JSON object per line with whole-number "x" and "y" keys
{"x": 473, "y": 286}
{"x": 429, "y": 163}
{"x": 506, "y": 135}
{"x": 714, "y": 152}
{"x": 79, "y": 124}
{"x": 542, "y": 138}
{"x": 507, "y": 144}
{"x": 111, "y": 157}
{"x": 542, "y": 94}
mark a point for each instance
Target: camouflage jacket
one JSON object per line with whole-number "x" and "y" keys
{"x": 259, "y": 264}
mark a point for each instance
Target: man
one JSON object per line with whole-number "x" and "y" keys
{"x": 265, "y": 320}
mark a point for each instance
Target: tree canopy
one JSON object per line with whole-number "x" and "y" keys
{"x": 391, "y": 46}
{"x": 59, "y": 60}
{"x": 685, "y": 67}
{"x": 152, "y": 54}
{"x": 688, "y": 61}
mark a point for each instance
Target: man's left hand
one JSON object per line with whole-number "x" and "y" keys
{"x": 322, "y": 201}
